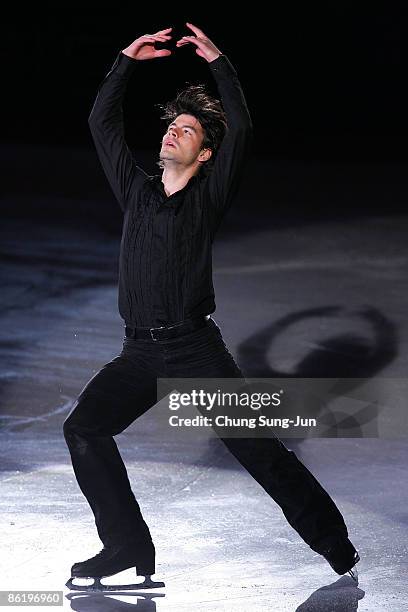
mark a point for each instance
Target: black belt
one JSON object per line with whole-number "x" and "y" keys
{"x": 168, "y": 331}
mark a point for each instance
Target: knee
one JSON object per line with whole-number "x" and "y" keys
{"x": 72, "y": 424}
{"x": 69, "y": 429}
{"x": 76, "y": 435}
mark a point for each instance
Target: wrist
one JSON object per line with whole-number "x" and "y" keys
{"x": 124, "y": 64}
{"x": 215, "y": 57}
{"x": 128, "y": 53}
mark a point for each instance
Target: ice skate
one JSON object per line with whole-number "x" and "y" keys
{"x": 342, "y": 556}
{"x": 112, "y": 560}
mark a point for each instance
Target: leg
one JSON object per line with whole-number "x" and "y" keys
{"x": 120, "y": 392}
{"x": 306, "y": 505}
{"x": 308, "y": 508}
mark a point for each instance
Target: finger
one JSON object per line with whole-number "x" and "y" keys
{"x": 195, "y": 29}
{"x": 154, "y": 40}
{"x": 150, "y": 38}
{"x": 160, "y": 36}
{"x": 163, "y": 31}
{"x": 195, "y": 40}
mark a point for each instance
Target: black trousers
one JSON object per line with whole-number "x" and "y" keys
{"x": 125, "y": 388}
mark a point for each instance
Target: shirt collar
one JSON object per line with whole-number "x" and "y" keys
{"x": 156, "y": 179}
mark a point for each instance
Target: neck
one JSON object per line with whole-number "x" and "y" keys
{"x": 174, "y": 178}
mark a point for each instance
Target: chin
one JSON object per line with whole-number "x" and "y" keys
{"x": 167, "y": 156}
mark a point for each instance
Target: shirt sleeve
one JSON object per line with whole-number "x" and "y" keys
{"x": 107, "y": 128}
{"x": 223, "y": 181}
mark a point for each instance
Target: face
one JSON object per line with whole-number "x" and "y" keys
{"x": 182, "y": 142}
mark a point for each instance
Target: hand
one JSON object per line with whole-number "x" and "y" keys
{"x": 143, "y": 47}
{"x": 205, "y": 48}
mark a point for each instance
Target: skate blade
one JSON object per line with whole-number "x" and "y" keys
{"x": 353, "y": 571}
{"x": 354, "y": 574}
{"x": 98, "y": 587}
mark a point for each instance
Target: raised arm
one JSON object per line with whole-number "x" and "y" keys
{"x": 221, "y": 185}
{"x": 223, "y": 182}
{"x": 106, "y": 119}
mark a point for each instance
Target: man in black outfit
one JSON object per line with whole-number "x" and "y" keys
{"x": 166, "y": 296}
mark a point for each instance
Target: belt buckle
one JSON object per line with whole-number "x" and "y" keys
{"x": 153, "y": 329}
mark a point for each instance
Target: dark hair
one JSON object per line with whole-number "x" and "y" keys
{"x": 196, "y": 101}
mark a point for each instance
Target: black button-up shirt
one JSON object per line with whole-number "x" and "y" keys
{"x": 165, "y": 262}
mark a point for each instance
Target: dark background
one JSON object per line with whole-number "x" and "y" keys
{"x": 325, "y": 84}
{"x": 322, "y": 81}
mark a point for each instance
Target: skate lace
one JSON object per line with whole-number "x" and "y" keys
{"x": 100, "y": 554}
